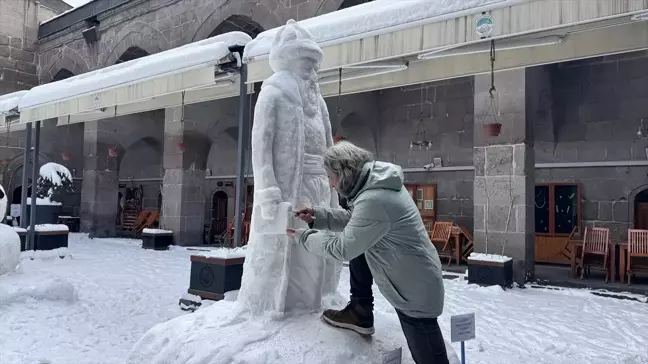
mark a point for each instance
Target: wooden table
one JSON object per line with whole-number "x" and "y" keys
{"x": 576, "y": 251}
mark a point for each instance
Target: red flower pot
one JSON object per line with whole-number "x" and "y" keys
{"x": 66, "y": 156}
{"x": 180, "y": 147}
{"x": 112, "y": 152}
{"x": 493, "y": 129}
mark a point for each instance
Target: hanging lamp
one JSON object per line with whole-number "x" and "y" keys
{"x": 492, "y": 129}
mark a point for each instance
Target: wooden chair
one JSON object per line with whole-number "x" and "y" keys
{"x": 637, "y": 249}
{"x": 468, "y": 248}
{"x": 441, "y": 235}
{"x": 596, "y": 248}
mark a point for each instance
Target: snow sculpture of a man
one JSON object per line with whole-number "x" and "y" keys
{"x": 290, "y": 134}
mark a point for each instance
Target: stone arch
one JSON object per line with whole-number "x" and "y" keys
{"x": 12, "y": 177}
{"x": 354, "y": 128}
{"x": 131, "y": 53}
{"x": 632, "y": 203}
{"x": 141, "y": 159}
{"x": 139, "y": 34}
{"x": 243, "y": 14}
{"x": 350, "y": 3}
{"x": 62, "y": 74}
{"x": 237, "y": 23}
{"x": 66, "y": 58}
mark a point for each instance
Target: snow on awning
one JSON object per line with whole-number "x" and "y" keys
{"x": 183, "y": 75}
{"x": 387, "y": 31}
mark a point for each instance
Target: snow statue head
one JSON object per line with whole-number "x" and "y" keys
{"x": 294, "y": 49}
{"x": 54, "y": 182}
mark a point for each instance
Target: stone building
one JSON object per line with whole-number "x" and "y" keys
{"x": 579, "y": 122}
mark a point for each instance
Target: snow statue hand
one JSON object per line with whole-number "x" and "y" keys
{"x": 268, "y": 201}
{"x": 305, "y": 214}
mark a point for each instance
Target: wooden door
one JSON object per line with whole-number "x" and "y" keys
{"x": 641, "y": 221}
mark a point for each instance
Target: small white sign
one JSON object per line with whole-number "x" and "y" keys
{"x": 393, "y": 357}
{"x": 96, "y": 101}
{"x": 462, "y": 327}
{"x": 15, "y": 210}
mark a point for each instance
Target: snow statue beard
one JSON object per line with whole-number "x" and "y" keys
{"x": 290, "y": 134}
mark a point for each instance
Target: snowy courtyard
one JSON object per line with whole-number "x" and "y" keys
{"x": 94, "y": 305}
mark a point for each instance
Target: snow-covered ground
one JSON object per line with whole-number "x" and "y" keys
{"x": 93, "y": 306}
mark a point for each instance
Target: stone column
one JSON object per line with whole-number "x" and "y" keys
{"x": 183, "y": 197}
{"x": 100, "y": 184}
{"x": 504, "y": 174}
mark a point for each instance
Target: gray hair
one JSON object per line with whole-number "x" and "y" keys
{"x": 346, "y": 161}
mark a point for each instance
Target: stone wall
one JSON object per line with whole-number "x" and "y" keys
{"x": 18, "y": 28}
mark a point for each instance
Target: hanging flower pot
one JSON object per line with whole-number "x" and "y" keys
{"x": 66, "y": 156}
{"x": 180, "y": 147}
{"x": 492, "y": 129}
{"x": 337, "y": 139}
{"x": 5, "y": 162}
{"x": 113, "y": 152}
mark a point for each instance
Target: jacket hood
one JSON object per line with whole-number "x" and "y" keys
{"x": 293, "y": 43}
{"x": 378, "y": 175}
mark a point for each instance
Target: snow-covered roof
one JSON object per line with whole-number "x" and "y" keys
{"x": 10, "y": 101}
{"x": 203, "y": 53}
{"x": 373, "y": 18}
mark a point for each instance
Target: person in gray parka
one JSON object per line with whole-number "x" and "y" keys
{"x": 383, "y": 224}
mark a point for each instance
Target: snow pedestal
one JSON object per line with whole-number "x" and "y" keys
{"x": 50, "y": 237}
{"x": 157, "y": 239}
{"x": 216, "y": 272}
{"x": 490, "y": 270}
{"x": 223, "y": 333}
{"x": 9, "y": 249}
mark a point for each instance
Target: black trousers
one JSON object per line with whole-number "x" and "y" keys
{"x": 424, "y": 338}
{"x": 361, "y": 282}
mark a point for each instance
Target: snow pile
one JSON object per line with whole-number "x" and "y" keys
{"x": 156, "y": 232}
{"x": 51, "y": 227}
{"x": 44, "y": 202}
{"x": 225, "y": 253}
{"x": 495, "y": 258}
{"x": 376, "y": 17}
{"x": 54, "y": 171}
{"x": 46, "y": 289}
{"x": 9, "y": 249}
{"x": 10, "y": 101}
{"x": 221, "y": 334}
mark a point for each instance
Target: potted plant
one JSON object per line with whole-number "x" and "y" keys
{"x": 53, "y": 185}
{"x": 215, "y": 272}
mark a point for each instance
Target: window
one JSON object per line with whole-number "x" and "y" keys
{"x": 557, "y": 208}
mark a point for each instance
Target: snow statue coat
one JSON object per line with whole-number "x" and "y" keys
{"x": 9, "y": 240}
{"x": 290, "y": 134}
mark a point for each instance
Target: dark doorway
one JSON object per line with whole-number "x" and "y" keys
{"x": 641, "y": 210}
{"x": 219, "y": 212}
{"x": 159, "y": 202}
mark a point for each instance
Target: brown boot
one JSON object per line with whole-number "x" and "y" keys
{"x": 352, "y": 317}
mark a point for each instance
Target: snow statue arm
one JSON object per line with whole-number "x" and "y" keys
{"x": 267, "y": 194}
{"x": 335, "y": 202}
{"x": 330, "y": 219}
{"x": 369, "y": 223}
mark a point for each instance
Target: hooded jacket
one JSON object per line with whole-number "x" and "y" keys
{"x": 386, "y": 226}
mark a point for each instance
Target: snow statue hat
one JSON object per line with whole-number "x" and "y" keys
{"x": 293, "y": 43}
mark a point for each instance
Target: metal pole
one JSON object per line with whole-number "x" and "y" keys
{"x": 32, "y": 215}
{"x": 25, "y": 178}
{"x": 243, "y": 140}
